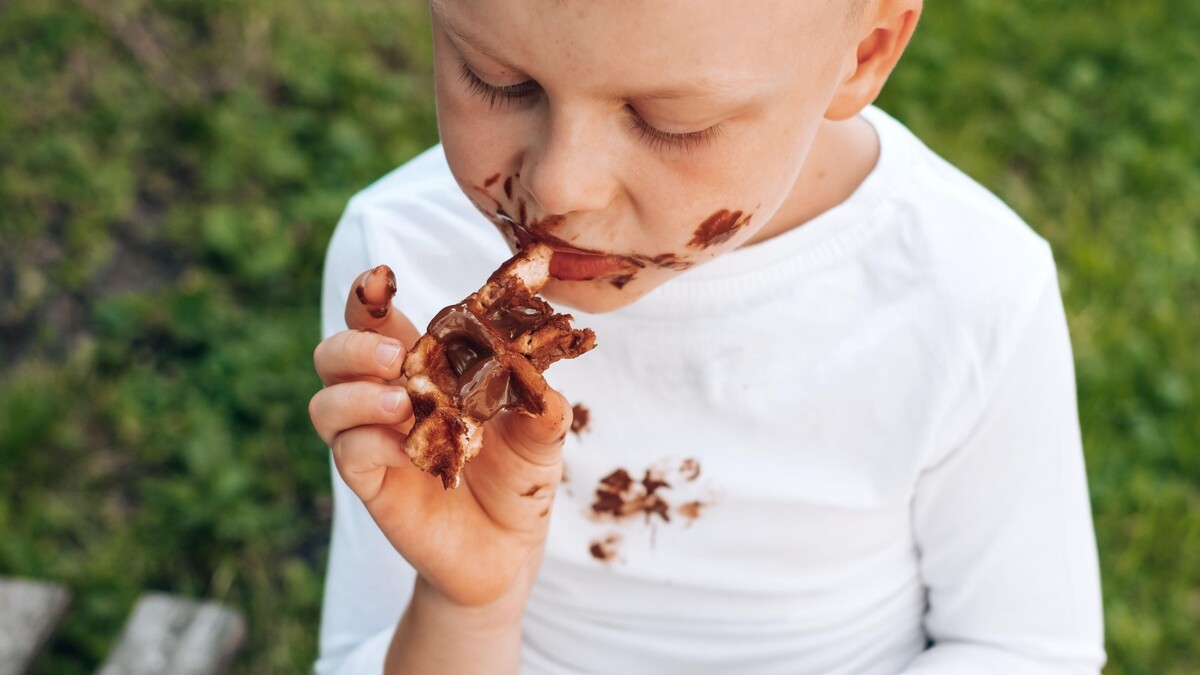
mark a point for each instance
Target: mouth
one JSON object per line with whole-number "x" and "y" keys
{"x": 571, "y": 263}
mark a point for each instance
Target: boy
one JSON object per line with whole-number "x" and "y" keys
{"x": 831, "y": 418}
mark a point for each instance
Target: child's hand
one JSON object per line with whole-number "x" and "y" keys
{"x": 475, "y": 544}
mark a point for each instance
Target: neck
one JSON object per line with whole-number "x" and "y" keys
{"x": 843, "y": 154}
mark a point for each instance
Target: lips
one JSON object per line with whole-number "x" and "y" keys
{"x": 572, "y": 266}
{"x": 575, "y": 264}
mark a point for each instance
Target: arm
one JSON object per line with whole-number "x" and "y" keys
{"x": 472, "y": 553}
{"x": 1004, "y": 526}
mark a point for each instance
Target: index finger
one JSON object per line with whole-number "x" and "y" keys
{"x": 369, "y": 306}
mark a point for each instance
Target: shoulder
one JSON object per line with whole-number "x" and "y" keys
{"x": 417, "y": 221}
{"x": 979, "y": 269}
{"x": 974, "y": 251}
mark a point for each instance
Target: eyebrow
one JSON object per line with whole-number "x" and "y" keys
{"x": 698, "y": 88}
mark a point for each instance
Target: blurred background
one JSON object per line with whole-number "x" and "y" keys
{"x": 170, "y": 173}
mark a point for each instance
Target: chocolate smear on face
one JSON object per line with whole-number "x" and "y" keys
{"x": 508, "y": 187}
{"x": 719, "y": 228}
{"x": 491, "y": 181}
{"x": 580, "y": 416}
{"x": 620, "y": 280}
{"x": 670, "y": 261}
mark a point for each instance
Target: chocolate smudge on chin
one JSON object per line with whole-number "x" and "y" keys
{"x": 508, "y": 187}
{"x": 670, "y": 261}
{"x": 491, "y": 181}
{"x": 719, "y": 228}
{"x": 620, "y": 280}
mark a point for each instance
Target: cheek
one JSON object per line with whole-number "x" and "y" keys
{"x": 478, "y": 141}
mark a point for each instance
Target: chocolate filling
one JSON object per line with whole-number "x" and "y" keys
{"x": 512, "y": 320}
{"x": 484, "y": 385}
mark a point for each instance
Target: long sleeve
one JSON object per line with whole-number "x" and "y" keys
{"x": 368, "y": 583}
{"x": 1004, "y": 527}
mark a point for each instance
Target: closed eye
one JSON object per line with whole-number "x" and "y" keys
{"x": 661, "y": 141}
{"x": 493, "y": 95}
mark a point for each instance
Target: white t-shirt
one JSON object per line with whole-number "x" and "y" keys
{"x": 866, "y": 427}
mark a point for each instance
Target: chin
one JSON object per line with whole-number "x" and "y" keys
{"x": 594, "y": 297}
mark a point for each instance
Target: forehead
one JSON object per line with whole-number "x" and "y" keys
{"x": 714, "y": 42}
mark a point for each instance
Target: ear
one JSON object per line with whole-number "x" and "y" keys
{"x": 883, "y": 34}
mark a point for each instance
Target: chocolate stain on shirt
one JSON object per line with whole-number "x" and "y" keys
{"x": 605, "y": 550}
{"x": 580, "y": 416}
{"x": 690, "y": 469}
{"x": 620, "y": 498}
{"x": 690, "y": 510}
{"x": 718, "y": 228}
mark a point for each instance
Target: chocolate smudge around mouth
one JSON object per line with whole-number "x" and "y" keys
{"x": 539, "y": 229}
{"x": 719, "y": 228}
{"x": 670, "y": 261}
{"x": 620, "y": 280}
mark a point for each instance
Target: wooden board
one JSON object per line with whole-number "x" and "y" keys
{"x": 167, "y": 634}
{"x": 29, "y": 613}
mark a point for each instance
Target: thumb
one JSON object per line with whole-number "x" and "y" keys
{"x": 538, "y": 439}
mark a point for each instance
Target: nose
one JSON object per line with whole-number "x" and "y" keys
{"x": 566, "y": 168}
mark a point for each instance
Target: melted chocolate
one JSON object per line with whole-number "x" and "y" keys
{"x": 484, "y": 386}
{"x": 485, "y": 389}
{"x": 462, "y": 354}
{"x": 512, "y": 320}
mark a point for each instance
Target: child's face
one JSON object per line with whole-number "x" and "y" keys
{"x": 637, "y": 138}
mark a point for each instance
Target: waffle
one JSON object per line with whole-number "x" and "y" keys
{"x": 483, "y": 355}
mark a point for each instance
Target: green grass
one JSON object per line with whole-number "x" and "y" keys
{"x": 170, "y": 173}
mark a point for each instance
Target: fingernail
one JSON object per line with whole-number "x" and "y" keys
{"x": 390, "y": 400}
{"x": 386, "y": 354}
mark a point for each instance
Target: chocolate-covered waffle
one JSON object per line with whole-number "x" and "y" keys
{"x": 483, "y": 355}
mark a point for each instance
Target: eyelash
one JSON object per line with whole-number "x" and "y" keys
{"x": 657, "y": 139}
